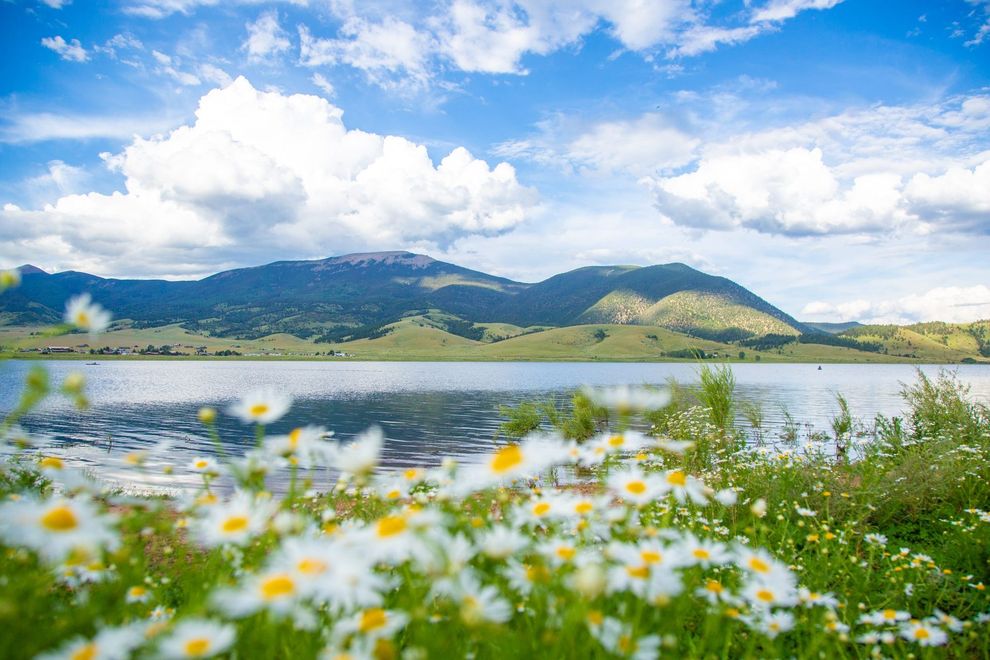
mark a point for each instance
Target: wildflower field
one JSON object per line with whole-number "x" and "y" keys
{"x": 579, "y": 537}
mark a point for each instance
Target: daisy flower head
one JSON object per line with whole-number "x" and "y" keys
{"x": 262, "y": 406}
{"x": 502, "y": 541}
{"x": 360, "y": 457}
{"x": 197, "y": 638}
{"x": 773, "y": 590}
{"x": 773, "y": 624}
{"x": 684, "y": 487}
{"x": 533, "y": 455}
{"x": 627, "y": 441}
{"x": 277, "y": 591}
{"x": 635, "y": 487}
{"x": 109, "y": 644}
{"x": 372, "y": 623}
{"x": 627, "y": 399}
{"x": 235, "y": 522}
{"x": 886, "y": 617}
{"x": 204, "y": 465}
{"x": 618, "y": 639}
{"x": 924, "y": 634}
{"x": 57, "y": 527}
{"x": 9, "y": 279}
{"x": 84, "y": 314}
{"x": 305, "y": 446}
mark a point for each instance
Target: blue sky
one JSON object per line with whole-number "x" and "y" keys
{"x": 833, "y": 156}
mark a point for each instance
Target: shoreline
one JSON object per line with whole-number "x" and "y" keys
{"x": 440, "y": 358}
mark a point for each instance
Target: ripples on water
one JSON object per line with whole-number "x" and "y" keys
{"x": 427, "y": 410}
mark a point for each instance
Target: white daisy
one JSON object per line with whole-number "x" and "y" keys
{"x": 197, "y": 638}
{"x": 57, "y": 527}
{"x": 234, "y": 522}
{"x": 83, "y": 313}
{"x": 262, "y": 406}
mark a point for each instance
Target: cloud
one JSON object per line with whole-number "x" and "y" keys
{"x": 157, "y": 9}
{"x": 71, "y": 51}
{"x": 951, "y": 304}
{"x": 323, "y": 84}
{"x": 876, "y": 171}
{"x": 643, "y": 145}
{"x": 56, "y": 4}
{"x": 782, "y": 10}
{"x": 494, "y": 36}
{"x": 265, "y": 37}
{"x": 392, "y": 53}
{"x": 39, "y": 127}
{"x": 261, "y": 174}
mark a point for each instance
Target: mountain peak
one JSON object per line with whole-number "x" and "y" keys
{"x": 28, "y": 269}
{"x": 386, "y": 258}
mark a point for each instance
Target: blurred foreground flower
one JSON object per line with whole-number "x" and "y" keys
{"x": 261, "y": 407}
{"x": 9, "y": 279}
{"x": 625, "y": 398}
{"x": 83, "y": 313}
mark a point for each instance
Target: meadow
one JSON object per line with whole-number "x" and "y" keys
{"x": 578, "y": 536}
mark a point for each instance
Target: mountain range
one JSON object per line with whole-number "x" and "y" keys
{"x": 357, "y": 295}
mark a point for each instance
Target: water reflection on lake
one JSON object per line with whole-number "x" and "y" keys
{"x": 428, "y": 410}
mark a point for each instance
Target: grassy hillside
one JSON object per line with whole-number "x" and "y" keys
{"x": 709, "y": 315}
{"x": 425, "y": 337}
{"x": 934, "y": 342}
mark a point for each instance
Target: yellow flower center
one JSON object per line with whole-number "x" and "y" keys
{"x": 616, "y": 441}
{"x": 541, "y": 509}
{"x": 411, "y": 474}
{"x": 565, "y": 552}
{"x": 201, "y": 463}
{"x": 390, "y": 526}
{"x": 137, "y": 592}
{"x": 765, "y": 595}
{"x": 506, "y": 458}
{"x": 677, "y": 478}
{"x": 52, "y": 462}
{"x": 310, "y": 566}
{"x": 701, "y": 553}
{"x": 595, "y": 618}
{"x": 626, "y": 644}
{"x": 87, "y": 652}
{"x": 537, "y": 573}
{"x": 636, "y": 487}
{"x": 890, "y": 615}
{"x": 921, "y": 633}
{"x": 258, "y": 409}
{"x": 206, "y": 499}
{"x": 713, "y": 587}
{"x": 758, "y": 565}
{"x": 197, "y": 647}
{"x": 638, "y": 572}
{"x": 60, "y": 519}
{"x": 583, "y": 507}
{"x": 294, "y": 436}
{"x": 372, "y": 619}
{"x": 651, "y": 556}
{"x": 277, "y": 586}
{"x": 82, "y": 319}
{"x": 234, "y": 524}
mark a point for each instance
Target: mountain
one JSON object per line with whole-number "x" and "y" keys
{"x": 832, "y": 328}
{"x": 359, "y": 295}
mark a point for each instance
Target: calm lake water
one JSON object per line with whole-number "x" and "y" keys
{"x": 428, "y": 410}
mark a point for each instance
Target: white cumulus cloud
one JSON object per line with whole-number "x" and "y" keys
{"x": 951, "y": 304}
{"x": 259, "y": 174}
{"x": 71, "y": 51}
{"x": 266, "y": 37}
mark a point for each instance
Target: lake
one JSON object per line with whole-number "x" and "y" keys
{"x": 428, "y": 410}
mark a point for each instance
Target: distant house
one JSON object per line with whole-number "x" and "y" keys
{"x": 58, "y": 349}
